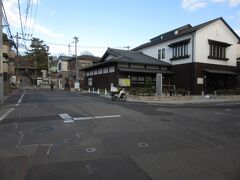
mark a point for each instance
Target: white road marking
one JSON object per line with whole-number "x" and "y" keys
{"x": 90, "y": 150}
{"x": 210, "y": 142}
{"x": 228, "y": 110}
{"x": 21, "y": 98}
{"x": 82, "y": 118}
{"x": 65, "y": 116}
{"x": 143, "y": 145}
{"x": 110, "y": 116}
{"x": 90, "y": 171}
{"x": 68, "y": 119}
{"x": 20, "y": 140}
{"x": 6, "y": 114}
{"x": 49, "y": 149}
{"x": 16, "y": 124}
{"x": 219, "y": 113}
{"x": 77, "y": 135}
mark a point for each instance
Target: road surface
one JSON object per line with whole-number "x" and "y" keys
{"x": 61, "y": 135}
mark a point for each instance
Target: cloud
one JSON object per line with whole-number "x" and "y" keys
{"x": 11, "y": 8}
{"x": 217, "y": 1}
{"x": 44, "y": 30}
{"x": 234, "y": 2}
{"x": 193, "y": 5}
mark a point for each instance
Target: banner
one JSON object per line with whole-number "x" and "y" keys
{"x": 124, "y": 82}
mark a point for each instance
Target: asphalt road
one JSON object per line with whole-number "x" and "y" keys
{"x": 60, "y": 135}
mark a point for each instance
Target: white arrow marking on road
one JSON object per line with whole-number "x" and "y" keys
{"x": 68, "y": 119}
{"x": 65, "y": 116}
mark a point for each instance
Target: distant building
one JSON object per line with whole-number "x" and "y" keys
{"x": 62, "y": 70}
{"x": 126, "y": 69}
{"x": 83, "y": 61}
{"x": 203, "y": 57}
{"x": 9, "y": 57}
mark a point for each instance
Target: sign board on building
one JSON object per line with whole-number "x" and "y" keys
{"x": 199, "y": 80}
{"x": 124, "y": 82}
{"x": 76, "y": 85}
{"x": 89, "y": 81}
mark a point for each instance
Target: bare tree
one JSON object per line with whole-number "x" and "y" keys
{"x": 88, "y": 53}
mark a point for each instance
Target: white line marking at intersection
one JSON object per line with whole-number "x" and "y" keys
{"x": 6, "y": 114}
{"x": 21, "y": 98}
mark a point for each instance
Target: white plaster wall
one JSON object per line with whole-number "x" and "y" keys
{"x": 64, "y": 66}
{"x": 109, "y": 57}
{"x": 153, "y": 50}
{"x": 217, "y": 31}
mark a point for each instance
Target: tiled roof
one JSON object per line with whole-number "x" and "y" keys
{"x": 184, "y": 30}
{"x": 124, "y": 56}
{"x": 133, "y": 57}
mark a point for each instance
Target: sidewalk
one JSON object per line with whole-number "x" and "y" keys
{"x": 184, "y": 99}
{"x": 198, "y": 99}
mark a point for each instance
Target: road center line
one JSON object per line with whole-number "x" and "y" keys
{"x": 6, "y": 114}
{"x": 21, "y": 98}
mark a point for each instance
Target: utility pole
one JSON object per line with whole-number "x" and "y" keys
{"x": 126, "y": 47}
{"x": 76, "y": 41}
{"x": 69, "y": 51}
{"x": 1, "y": 59}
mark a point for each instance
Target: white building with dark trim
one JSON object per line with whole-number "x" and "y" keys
{"x": 203, "y": 57}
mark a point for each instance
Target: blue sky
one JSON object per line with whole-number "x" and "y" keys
{"x": 110, "y": 23}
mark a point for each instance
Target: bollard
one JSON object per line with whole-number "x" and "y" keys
{"x": 105, "y": 91}
{"x": 89, "y": 90}
{"x": 202, "y": 94}
{"x": 98, "y": 91}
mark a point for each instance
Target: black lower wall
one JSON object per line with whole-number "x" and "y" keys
{"x": 185, "y": 77}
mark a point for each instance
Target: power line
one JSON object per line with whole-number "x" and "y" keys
{"x": 8, "y": 27}
{"x": 90, "y": 47}
{"x": 20, "y": 15}
{"x": 26, "y": 16}
{"x": 35, "y": 15}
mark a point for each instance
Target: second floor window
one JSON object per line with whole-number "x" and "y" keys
{"x": 180, "y": 49}
{"x": 59, "y": 66}
{"x": 217, "y": 50}
{"x": 161, "y": 53}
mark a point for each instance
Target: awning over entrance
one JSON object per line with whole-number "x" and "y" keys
{"x": 144, "y": 70}
{"x": 214, "y": 71}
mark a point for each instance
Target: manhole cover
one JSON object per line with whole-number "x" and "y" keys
{"x": 91, "y": 150}
{"x": 143, "y": 145}
{"x": 44, "y": 129}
